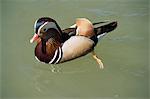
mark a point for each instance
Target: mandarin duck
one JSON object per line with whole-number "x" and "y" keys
{"x": 56, "y": 46}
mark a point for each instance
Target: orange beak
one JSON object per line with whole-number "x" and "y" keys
{"x": 34, "y": 38}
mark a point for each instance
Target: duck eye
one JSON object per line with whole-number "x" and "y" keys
{"x": 45, "y": 30}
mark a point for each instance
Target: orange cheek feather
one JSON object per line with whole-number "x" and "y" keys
{"x": 38, "y": 40}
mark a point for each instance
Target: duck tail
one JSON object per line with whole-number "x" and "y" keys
{"x": 102, "y": 28}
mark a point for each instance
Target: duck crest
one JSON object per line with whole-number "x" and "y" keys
{"x": 47, "y": 23}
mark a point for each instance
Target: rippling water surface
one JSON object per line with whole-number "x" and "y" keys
{"x": 124, "y": 51}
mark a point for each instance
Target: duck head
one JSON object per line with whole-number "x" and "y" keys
{"x": 47, "y": 35}
{"x": 44, "y": 29}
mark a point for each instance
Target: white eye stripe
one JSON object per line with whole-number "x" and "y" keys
{"x": 35, "y": 25}
{"x": 49, "y": 25}
{"x": 41, "y": 27}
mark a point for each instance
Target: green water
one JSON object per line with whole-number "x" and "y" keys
{"x": 124, "y": 51}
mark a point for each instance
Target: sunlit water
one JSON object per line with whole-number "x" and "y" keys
{"x": 124, "y": 51}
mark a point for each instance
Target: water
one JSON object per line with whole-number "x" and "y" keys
{"x": 124, "y": 51}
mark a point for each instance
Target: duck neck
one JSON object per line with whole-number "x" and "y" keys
{"x": 44, "y": 46}
{"x": 50, "y": 41}
{"x": 49, "y": 46}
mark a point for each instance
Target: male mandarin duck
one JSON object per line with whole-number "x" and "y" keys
{"x": 56, "y": 46}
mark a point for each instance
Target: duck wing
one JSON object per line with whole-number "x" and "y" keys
{"x": 99, "y": 28}
{"x": 76, "y": 46}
